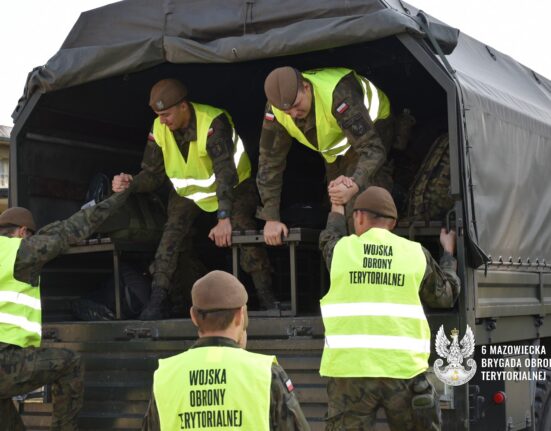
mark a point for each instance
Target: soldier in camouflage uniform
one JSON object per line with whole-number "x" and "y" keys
{"x": 219, "y": 311}
{"x": 236, "y": 200}
{"x": 409, "y": 401}
{"x": 369, "y": 133}
{"x": 24, "y": 367}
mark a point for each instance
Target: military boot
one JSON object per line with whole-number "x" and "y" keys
{"x": 152, "y": 310}
{"x": 159, "y": 293}
{"x": 263, "y": 284}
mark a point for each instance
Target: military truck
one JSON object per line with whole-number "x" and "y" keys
{"x": 86, "y": 111}
{"x": 4, "y": 156}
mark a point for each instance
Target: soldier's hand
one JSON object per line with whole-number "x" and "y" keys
{"x": 273, "y": 230}
{"x": 341, "y": 179}
{"x": 121, "y": 182}
{"x": 340, "y": 194}
{"x": 448, "y": 240}
{"x": 221, "y": 233}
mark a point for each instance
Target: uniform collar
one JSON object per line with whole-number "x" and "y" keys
{"x": 215, "y": 341}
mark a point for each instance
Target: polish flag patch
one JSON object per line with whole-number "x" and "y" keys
{"x": 342, "y": 108}
{"x": 289, "y": 385}
{"x": 269, "y": 116}
{"x": 150, "y": 137}
{"x": 210, "y": 132}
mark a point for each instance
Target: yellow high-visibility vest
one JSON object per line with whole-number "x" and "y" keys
{"x": 20, "y": 307}
{"x": 331, "y": 140}
{"x": 374, "y": 322}
{"x": 214, "y": 387}
{"x": 194, "y": 179}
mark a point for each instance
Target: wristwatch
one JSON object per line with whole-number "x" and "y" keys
{"x": 220, "y": 214}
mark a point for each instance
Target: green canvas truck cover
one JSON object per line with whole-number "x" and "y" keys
{"x": 504, "y": 108}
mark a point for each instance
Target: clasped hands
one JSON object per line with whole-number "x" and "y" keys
{"x": 341, "y": 190}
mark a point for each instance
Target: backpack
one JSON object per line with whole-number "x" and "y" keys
{"x": 429, "y": 197}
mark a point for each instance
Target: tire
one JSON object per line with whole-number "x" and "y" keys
{"x": 542, "y": 402}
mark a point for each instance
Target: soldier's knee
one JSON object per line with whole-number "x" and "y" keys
{"x": 425, "y": 405}
{"x": 255, "y": 259}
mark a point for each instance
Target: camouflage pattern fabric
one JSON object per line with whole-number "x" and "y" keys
{"x": 409, "y": 405}
{"x": 429, "y": 195}
{"x": 252, "y": 258}
{"x": 219, "y": 148}
{"x": 354, "y": 402}
{"x": 176, "y": 238}
{"x": 440, "y": 285}
{"x": 53, "y": 239}
{"x": 23, "y": 370}
{"x": 178, "y": 232}
{"x": 285, "y": 411}
{"x": 241, "y": 201}
{"x": 371, "y": 144}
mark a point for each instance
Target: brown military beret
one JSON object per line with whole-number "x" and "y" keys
{"x": 281, "y": 87}
{"x": 377, "y": 200}
{"x": 166, "y": 93}
{"x": 218, "y": 290}
{"x": 18, "y": 216}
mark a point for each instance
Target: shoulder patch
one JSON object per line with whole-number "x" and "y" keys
{"x": 151, "y": 138}
{"x": 210, "y": 132}
{"x": 268, "y": 116}
{"x": 342, "y": 108}
{"x": 289, "y": 385}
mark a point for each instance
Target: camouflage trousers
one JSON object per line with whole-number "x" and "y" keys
{"x": 23, "y": 370}
{"x": 354, "y": 402}
{"x": 178, "y": 231}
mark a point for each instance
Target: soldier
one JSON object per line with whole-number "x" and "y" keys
{"x": 332, "y": 111}
{"x": 377, "y": 339}
{"x": 216, "y": 383}
{"x": 198, "y": 149}
{"x": 24, "y": 365}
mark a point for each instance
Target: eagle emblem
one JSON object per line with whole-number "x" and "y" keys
{"x": 455, "y": 352}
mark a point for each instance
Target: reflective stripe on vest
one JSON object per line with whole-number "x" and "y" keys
{"x": 20, "y": 307}
{"x": 374, "y": 322}
{"x": 331, "y": 140}
{"x": 214, "y": 387}
{"x": 194, "y": 178}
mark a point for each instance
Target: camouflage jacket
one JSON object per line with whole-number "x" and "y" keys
{"x": 219, "y": 148}
{"x": 53, "y": 239}
{"x": 275, "y": 143}
{"x": 440, "y": 285}
{"x": 285, "y": 411}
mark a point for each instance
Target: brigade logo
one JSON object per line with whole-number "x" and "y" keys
{"x": 455, "y": 373}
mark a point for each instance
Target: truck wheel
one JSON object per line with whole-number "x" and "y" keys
{"x": 542, "y": 405}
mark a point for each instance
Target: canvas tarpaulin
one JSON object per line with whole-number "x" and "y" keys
{"x": 134, "y": 35}
{"x": 507, "y": 109}
{"x": 504, "y": 107}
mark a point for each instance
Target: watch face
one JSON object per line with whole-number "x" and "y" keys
{"x": 222, "y": 214}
